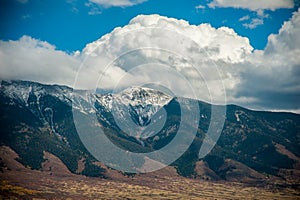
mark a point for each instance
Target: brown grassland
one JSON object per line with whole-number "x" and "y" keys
{"x": 19, "y": 182}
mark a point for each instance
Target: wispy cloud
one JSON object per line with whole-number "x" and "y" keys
{"x": 245, "y": 18}
{"x": 96, "y": 6}
{"x": 200, "y": 7}
{"x": 25, "y": 17}
{"x": 116, "y": 3}
{"x": 73, "y": 4}
{"x": 257, "y": 6}
{"x": 254, "y": 23}
{"x": 253, "y": 5}
{"x": 262, "y": 14}
{"x": 23, "y": 1}
{"x": 94, "y": 11}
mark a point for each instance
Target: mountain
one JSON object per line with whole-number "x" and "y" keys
{"x": 137, "y": 104}
{"x": 255, "y": 147}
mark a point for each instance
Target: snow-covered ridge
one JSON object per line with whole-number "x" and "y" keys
{"x": 21, "y": 90}
{"x": 136, "y": 96}
{"x": 133, "y": 109}
{"x": 140, "y": 101}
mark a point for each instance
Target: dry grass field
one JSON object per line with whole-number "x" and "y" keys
{"x": 41, "y": 185}
{"x": 19, "y": 182}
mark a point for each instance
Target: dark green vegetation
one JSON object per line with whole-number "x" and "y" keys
{"x": 36, "y": 118}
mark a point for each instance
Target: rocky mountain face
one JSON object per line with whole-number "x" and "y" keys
{"x": 254, "y": 147}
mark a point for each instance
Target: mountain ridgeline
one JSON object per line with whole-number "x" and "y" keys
{"x": 254, "y": 146}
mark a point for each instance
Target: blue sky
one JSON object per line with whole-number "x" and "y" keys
{"x": 71, "y": 24}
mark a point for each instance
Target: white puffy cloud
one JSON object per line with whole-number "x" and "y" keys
{"x": 153, "y": 30}
{"x": 117, "y": 3}
{"x": 32, "y": 59}
{"x": 253, "y": 5}
{"x": 192, "y": 51}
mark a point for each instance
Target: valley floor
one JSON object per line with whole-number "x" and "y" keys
{"x": 19, "y": 182}
{"x": 31, "y": 184}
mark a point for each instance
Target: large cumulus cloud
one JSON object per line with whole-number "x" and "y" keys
{"x": 192, "y": 51}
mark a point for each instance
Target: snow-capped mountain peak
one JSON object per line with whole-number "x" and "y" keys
{"x": 134, "y": 108}
{"x": 144, "y": 102}
{"x": 143, "y": 96}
